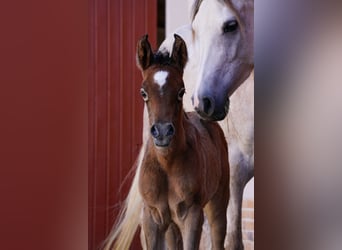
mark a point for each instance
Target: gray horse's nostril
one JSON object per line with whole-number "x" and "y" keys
{"x": 154, "y": 131}
{"x": 208, "y": 105}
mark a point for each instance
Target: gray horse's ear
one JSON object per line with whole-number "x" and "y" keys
{"x": 144, "y": 53}
{"x": 179, "y": 52}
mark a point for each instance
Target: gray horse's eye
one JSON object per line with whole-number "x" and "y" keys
{"x": 144, "y": 94}
{"x": 181, "y": 94}
{"x": 230, "y": 26}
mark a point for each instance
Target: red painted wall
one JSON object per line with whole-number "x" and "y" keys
{"x": 115, "y": 105}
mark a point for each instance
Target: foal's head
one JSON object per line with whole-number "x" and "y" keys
{"x": 163, "y": 88}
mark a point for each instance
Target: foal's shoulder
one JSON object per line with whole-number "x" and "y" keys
{"x": 203, "y": 126}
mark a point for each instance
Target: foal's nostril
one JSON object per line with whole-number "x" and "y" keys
{"x": 208, "y": 106}
{"x": 154, "y": 131}
{"x": 170, "y": 130}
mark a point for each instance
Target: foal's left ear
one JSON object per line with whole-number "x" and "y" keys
{"x": 144, "y": 53}
{"x": 179, "y": 52}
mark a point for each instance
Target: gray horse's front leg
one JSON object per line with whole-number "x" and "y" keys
{"x": 234, "y": 235}
{"x": 239, "y": 176}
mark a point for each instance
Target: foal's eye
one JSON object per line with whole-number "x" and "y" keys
{"x": 230, "y": 26}
{"x": 181, "y": 93}
{"x": 144, "y": 94}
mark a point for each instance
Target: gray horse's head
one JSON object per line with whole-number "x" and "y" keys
{"x": 223, "y": 49}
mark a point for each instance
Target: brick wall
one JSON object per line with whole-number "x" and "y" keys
{"x": 248, "y": 216}
{"x": 248, "y": 223}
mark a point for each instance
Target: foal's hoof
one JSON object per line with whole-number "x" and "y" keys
{"x": 235, "y": 246}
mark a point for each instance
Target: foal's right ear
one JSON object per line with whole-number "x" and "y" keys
{"x": 144, "y": 53}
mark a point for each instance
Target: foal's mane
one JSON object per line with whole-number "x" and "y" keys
{"x": 162, "y": 58}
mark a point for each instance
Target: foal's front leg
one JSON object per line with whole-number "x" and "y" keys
{"x": 154, "y": 237}
{"x": 173, "y": 237}
{"x": 192, "y": 227}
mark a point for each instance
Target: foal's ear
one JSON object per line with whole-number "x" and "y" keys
{"x": 144, "y": 53}
{"x": 179, "y": 52}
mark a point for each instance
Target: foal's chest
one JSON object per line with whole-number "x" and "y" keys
{"x": 182, "y": 187}
{"x": 157, "y": 185}
{"x": 171, "y": 192}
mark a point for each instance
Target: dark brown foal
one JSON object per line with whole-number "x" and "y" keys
{"x": 185, "y": 168}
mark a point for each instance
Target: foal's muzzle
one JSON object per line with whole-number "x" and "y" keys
{"x": 162, "y": 133}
